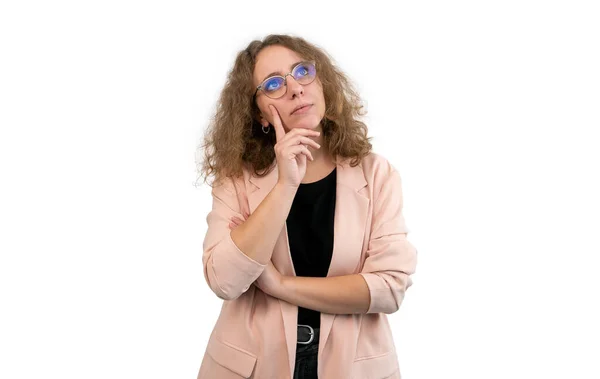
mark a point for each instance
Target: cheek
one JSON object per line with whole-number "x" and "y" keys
{"x": 321, "y": 95}
{"x": 323, "y": 106}
{"x": 263, "y": 108}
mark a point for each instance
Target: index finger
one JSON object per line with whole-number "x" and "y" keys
{"x": 279, "y": 131}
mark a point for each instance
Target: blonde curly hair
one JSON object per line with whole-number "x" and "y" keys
{"x": 234, "y": 139}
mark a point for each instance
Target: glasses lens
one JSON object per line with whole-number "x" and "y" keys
{"x": 305, "y": 73}
{"x": 274, "y": 86}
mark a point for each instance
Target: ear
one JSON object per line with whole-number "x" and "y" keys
{"x": 259, "y": 117}
{"x": 262, "y": 120}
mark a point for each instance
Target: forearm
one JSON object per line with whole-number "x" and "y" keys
{"x": 257, "y": 236}
{"x": 345, "y": 294}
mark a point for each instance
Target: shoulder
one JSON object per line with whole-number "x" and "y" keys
{"x": 371, "y": 175}
{"x": 375, "y": 162}
{"x": 230, "y": 185}
{"x": 377, "y": 169}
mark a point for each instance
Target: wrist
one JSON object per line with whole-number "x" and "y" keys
{"x": 286, "y": 189}
{"x": 283, "y": 286}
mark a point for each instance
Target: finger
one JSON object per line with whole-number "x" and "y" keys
{"x": 293, "y": 151}
{"x": 277, "y": 125}
{"x": 308, "y": 153}
{"x": 285, "y": 151}
{"x": 308, "y": 142}
{"x": 302, "y": 131}
{"x": 301, "y": 158}
{"x": 300, "y": 137}
{"x": 237, "y": 220}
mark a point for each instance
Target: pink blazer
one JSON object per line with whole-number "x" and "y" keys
{"x": 255, "y": 334}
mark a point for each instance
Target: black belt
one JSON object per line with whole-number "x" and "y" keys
{"x": 307, "y": 334}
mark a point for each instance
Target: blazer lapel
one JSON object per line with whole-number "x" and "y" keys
{"x": 351, "y": 213}
{"x": 282, "y": 260}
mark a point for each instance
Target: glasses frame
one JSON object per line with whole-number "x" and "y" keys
{"x": 284, "y": 77}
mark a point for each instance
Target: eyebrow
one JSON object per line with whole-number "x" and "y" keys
{"x": 279, "y": 73}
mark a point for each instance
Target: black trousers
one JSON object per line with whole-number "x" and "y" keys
{"x": 306, "y": 359}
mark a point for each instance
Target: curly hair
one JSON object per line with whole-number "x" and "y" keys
{"x": 234, "y": 139}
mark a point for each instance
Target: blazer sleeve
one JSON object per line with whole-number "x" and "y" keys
{"x": 390, "y": 257}
{"x": 227, "y": 270}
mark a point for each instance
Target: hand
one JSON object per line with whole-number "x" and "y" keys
{"x": 270, "y": 281}
{"x": 236, "y": 221}
{"x": 291, "y": 150}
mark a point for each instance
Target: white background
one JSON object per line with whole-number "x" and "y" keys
{"x": 489, "y": 110}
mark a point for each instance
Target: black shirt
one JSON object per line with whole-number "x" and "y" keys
{"x": 310, "y": 233}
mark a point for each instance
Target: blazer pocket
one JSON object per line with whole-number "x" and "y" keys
{"x": 231, "y": 357}
{"x": 377, "y": 367}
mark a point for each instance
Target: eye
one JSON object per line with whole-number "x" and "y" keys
{"x": 305, "y": 72}
{"x": 301, "y": 71}
{"x": 272, "y": 84}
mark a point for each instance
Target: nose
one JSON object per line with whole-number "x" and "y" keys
{"x": 294, "y": 88}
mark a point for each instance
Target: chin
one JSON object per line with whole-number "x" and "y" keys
{"x": 307, "y": 123}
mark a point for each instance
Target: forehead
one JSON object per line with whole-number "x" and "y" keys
{"x": 274, "y": 58}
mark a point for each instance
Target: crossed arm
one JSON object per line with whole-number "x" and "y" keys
{"x": 378, "y": 288}
{"x": 337, "y": 294}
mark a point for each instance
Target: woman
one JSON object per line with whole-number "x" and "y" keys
{"x": 306, "y": 240}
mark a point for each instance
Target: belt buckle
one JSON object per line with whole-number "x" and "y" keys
{"x": 312, "y": 335}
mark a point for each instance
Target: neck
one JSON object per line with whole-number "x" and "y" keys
{"x": 323, "y": 162}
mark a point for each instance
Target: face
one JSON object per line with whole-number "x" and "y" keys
{"x": 280, "y": 60}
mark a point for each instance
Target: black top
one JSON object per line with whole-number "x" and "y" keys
{"x": 310, "y": 233}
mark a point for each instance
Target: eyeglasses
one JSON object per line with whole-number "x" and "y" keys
{"x": 276, "y": 86}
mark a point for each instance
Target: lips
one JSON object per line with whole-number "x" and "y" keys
{"x": 301, "y": 107}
